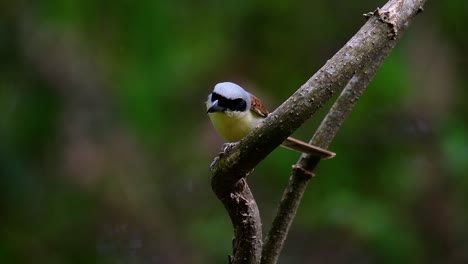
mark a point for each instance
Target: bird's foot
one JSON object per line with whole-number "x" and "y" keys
{"x": 228, "y": 146}
{"x": 225, "y": 149}
{"x": 214, "y": 162}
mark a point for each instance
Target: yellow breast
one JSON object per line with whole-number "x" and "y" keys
{"x": 233, "y": 126}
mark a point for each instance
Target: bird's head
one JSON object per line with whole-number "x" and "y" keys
{"x": 228, "y": 97}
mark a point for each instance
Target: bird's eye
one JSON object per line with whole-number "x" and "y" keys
{"x": 215, "y": 96}
{"x": 237, "y": 104}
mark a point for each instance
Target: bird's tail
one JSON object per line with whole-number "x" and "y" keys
{"x": 303, "y": 147}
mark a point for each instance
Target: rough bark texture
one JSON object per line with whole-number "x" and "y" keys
{"x": 360, "y": 57}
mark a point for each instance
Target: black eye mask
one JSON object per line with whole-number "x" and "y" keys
{"x": 237, "y": 104}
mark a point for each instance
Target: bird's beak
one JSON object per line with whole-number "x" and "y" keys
{"x": 215, "y": 108}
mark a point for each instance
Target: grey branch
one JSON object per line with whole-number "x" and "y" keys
{"x": 324, "y": 135}
{"x": 360, "y": 57}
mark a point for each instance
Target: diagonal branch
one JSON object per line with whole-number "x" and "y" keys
{"x": 377, "y": 36}
{"x": 302, "y": 171}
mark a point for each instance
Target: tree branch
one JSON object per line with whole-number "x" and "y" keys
{"x": 243, "y": 211}
{"x": 301, "y": 173}
{"x": 372, "y": 42}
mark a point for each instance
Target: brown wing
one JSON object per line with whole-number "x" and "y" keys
{"x": 258, "y": 107}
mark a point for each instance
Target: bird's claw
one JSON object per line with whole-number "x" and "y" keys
{"x": 225, "y": 149}
{"x": 228, "y": 146}
{"x": 214, "y": 162}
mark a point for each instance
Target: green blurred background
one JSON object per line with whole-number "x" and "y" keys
{"x": 105, "y": 144}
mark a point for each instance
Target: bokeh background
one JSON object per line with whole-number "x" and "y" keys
{"x": 105, "y": 144}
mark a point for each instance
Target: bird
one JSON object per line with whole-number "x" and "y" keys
{"x": 234, "y": 112}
